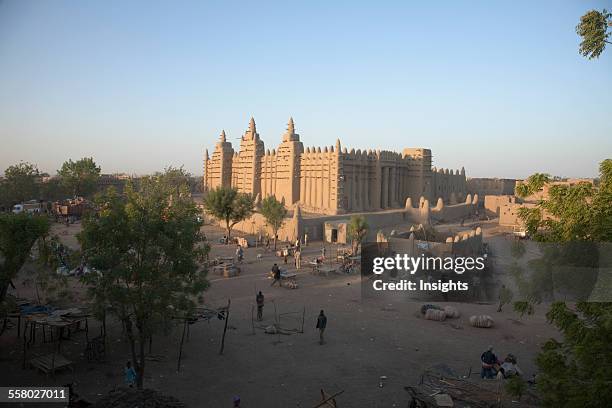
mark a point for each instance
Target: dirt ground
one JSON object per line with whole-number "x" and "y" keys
{"x": 364, "y": 341}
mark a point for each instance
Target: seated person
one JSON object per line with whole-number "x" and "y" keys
{"x": 489, "y": 361}
{"x": 509, "y": 368}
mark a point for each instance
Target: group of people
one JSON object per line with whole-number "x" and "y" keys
{"x": 492, "y": 367}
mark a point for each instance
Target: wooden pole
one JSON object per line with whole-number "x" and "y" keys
{"x": 229, "y": 301}
{"x": 178, "y": 364}
{"x": 303, "y": 316}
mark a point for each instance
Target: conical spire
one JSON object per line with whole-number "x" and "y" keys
{"x": 252, "y": 127}
{"x": 222, "y": 137}
{"x": 206, "y": 157}
{"x": 338, "y": 145}
{"x": 291, "y": 126}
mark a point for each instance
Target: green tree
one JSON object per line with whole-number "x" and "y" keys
{"x": 21, "y": 183}
{"x": 177, "y": 178}
{"x": 593, "y": 30}
{"x": 516, "y": 387}
{"x": 147, "y": 246}
{"x": 576, "y": 371}
{"x": 357, "y": 230}
{"x": 52, "y": 190}
{"x": 18, "y": 233}
{"x": 80, "y": 177}
{"x": 228, "y": 205}
{"x": 274, "y": 212}
{"x": 579, "y": 212}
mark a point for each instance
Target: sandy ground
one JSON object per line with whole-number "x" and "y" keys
{"x": 365, "y": 339}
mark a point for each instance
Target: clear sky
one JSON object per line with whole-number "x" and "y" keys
{"x": 498, "y": 87}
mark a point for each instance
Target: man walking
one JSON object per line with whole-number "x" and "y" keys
{"x": 260, "y": 304}
{"x": 298, "y": 259}
{"x": 321, "y": 324}
{"x": 277, "y": 275}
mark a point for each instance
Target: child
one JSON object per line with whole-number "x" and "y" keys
{"x": 130, "y": 374}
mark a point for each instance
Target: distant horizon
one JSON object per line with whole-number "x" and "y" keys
{"x": 499, "y": 89}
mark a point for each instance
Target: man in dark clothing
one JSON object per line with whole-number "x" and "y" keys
{"x": 321, "y": 324}
{"x": 277, "y": 275}
{"x": 260, "y": 304}
{"x": 488, "y": 360}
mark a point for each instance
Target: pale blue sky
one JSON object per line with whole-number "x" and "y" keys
{"x": 498, "y": 87}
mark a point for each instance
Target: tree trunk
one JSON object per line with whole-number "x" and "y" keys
{"x": 229, "y": 233}
{"x": 141, "y": 364}
{"x": 132, "y": 341}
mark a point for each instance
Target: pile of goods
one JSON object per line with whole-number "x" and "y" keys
{"x": 482, "y": 321}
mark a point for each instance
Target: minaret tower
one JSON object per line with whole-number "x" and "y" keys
{"x": 288, "y": 166}
{"x": 218, "y": 169}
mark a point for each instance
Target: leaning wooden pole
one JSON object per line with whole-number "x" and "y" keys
{"x": 227, "y": 313}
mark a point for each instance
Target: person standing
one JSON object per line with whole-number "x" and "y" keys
{"x": 321, "y": 325}
{"x": 260, "y": 304}
{"x": 298, "y": 259}
{"x": 306, "y": 239}
{"x": 130, "y": 374}
{"x": 285, "y": 253}
{"x": 277, "y": 275}
{"x": 239, "y": 254}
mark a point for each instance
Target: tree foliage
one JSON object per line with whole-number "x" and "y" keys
{"x": 80, "y": 177}
{"x": 274, "y": 212}
{"x": 228, "y": 205}
{"x": 18, "y": 233}
{"x": 577, "y": 371}
{"x": 570, "y": 212}
{"x": 593, "y": 30}
{"x": 357, "y": 230}
{"x": 21, "y": 183}
{"x": 147, "y": 247}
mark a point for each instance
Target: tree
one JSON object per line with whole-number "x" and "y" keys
{"x": 357, "y": 229}
{"x": 18, "y": 233}
{"x": 516, "y": 386}
{"x": 593, "y": 29}
{"x": 177, "y": 178}
{"x": 579, "y": 212}
{"x": 80, "y": 177}
{"x": 228, "y": 205}
{"x": 274, "y": 212}
{"x": 147, "y": 246}
{"x": 576, "y": 371}
{"x": 20, "y": 183}
{"x": 52, "y": 190}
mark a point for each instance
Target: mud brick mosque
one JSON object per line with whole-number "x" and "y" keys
{"x": 331, "y": 180}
